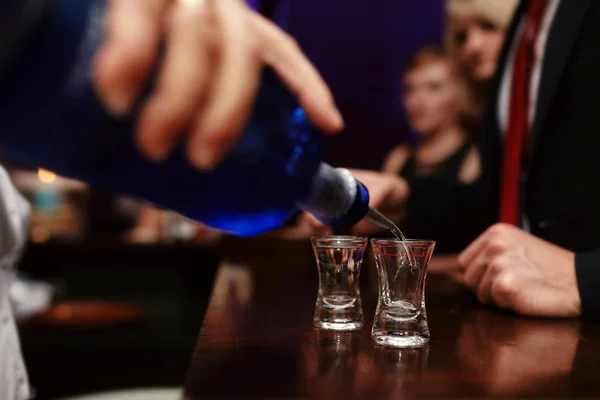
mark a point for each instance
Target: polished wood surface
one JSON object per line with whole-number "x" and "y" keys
{"x": 86, "y": 315}
{"x": 257, "y": 342}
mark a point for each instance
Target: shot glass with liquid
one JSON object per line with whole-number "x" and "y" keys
{"x": 339, "y": 259}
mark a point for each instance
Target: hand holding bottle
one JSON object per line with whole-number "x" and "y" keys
{"x": 208, "y": 78}
{"x": 85, "y": 76}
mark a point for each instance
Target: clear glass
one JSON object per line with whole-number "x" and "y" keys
{"x": 401, "y": 317}
{"x": 338, "y": 305}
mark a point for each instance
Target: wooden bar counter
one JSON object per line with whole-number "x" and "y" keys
{"x": 257, "y": 340}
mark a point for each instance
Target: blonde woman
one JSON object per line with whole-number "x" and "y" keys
{"x": 474, "y": 37}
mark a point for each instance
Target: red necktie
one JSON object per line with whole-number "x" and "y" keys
{"x": 518, "y": 125}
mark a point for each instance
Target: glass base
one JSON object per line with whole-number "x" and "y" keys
{"x": 338, "y": 326}
{"x": 401, "y": 339}
{"x": 338, "y": 313}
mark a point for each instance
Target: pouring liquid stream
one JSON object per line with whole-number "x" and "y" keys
{"x": 380, "y": 220}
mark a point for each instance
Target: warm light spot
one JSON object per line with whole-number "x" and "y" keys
{"x": 63, "y": 312}
{"x": 39, "y": 234}
{"x": 46, "y": 176}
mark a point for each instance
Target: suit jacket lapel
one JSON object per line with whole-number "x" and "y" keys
{"x": 562, "y": 37}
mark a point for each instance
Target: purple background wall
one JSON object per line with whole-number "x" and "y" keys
{"x": 360, "y": 47}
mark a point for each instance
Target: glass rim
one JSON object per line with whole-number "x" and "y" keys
{"x": 336, "y": 240}
{"x": 375, "y": 242}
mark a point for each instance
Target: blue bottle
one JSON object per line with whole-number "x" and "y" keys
{"x": 51, "y": 118}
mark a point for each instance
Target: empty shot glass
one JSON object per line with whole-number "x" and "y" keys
{"x": 338, "y": 305}
{"x": 401, "y": 317}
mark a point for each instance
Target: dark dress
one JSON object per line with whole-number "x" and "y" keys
{"x": 447, "y": 169}
{"x": 458, "y": 236}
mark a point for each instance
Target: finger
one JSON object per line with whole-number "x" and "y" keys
{"x": 282, "y": 53}
{"x": 503, "y": 290}
{"x": 125, "y": 59}
{"x": 467, "y": 256}
{"x": 235, "y": 85}
{"x": 476, "y": 268}
{"x": 476, "y": 263}
{"x": 484, "y": 287}
{"x": 183, "y": 80}
{"x": 472, "y": 276}
{"x": 497, "y": 231}
{"x": 517, "y": 287}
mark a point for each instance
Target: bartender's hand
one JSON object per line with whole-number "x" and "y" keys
{"x": 209, "y": 76}
{"x": 515, "y": 270}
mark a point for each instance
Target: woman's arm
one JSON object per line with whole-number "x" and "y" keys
{"x": 470, "y": 169}
{"x": 396, "y": 159}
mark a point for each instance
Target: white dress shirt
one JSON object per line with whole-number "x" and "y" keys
{"x": 14, "y": 213}
{"x": 536, "y": 73}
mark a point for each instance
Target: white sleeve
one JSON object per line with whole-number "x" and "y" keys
{"x": 14, "y": 215}
{"x": 14, "y": 220}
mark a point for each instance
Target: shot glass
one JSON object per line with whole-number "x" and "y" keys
{"x": 338, "y": 305}
{"x": 401, "y": 317}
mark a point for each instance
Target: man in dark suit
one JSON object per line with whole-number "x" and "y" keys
{"x": 540, "y": 169}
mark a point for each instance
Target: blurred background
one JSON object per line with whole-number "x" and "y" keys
{"x": 361, "y": 49}
{"x": 79, "y": 298}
